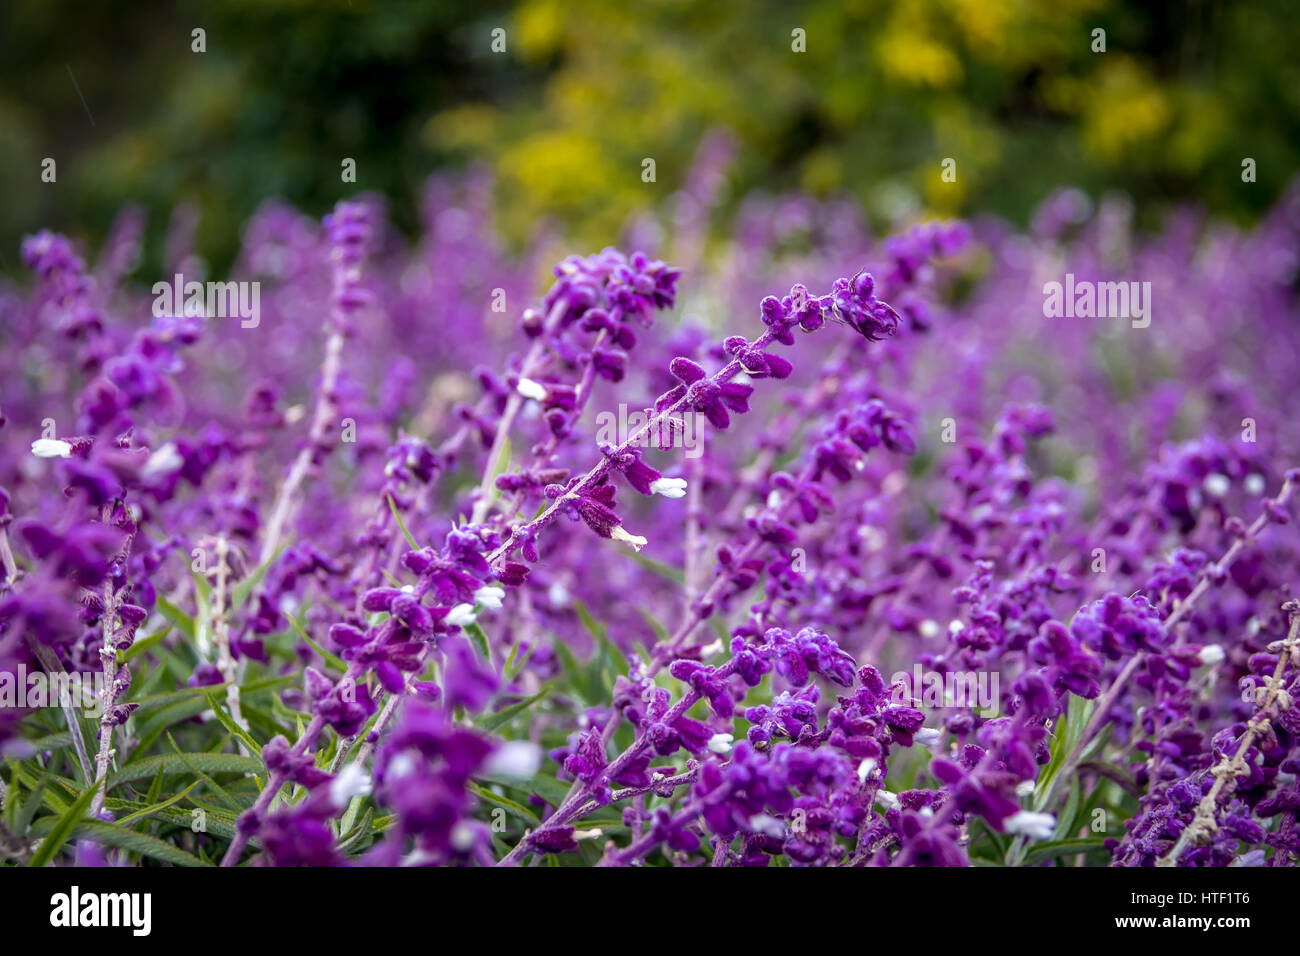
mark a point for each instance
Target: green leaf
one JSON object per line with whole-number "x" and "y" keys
{"x": 176, "y": 616}
{"x": 517, "y": 809}
{"x": 144, "y": 643}
{"x": 1067, "y": 734}
{"x": 241, "y": 591}
{"x": 218, "y": 788}
{"x": 117, "y": 835}
{"x": 666, "y": 571}
{"x": 510, "y": 673}
{"x": 480, "y": 641}
{"x": 661, "y": 632}
{"x": 146, "y": 812}
{"x": 155, "y": 788}
{"x": 494, "y": 722}
{"x": 550, "y": 789}
{"x": 332, "y": 659}
{"x": 359, "y": 837}
{"x": 410, "y": 539}
{"x": 1065, "y": 821}
{"x": 180, "y": 762}
{"x": 62, "y": 829}
{"x": 229, "y": 723}
{"x": 23, "y": 818}
{"x": 1059, "y": 848}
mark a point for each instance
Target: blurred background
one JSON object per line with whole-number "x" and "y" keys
{"x": 586, "y": 90}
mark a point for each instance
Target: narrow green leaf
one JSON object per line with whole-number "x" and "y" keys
{"x": 1059, "y": 848}
{"x": 23, "y": 818}
{"x": 494, "y": 722}
{"x": 480, "y": 641}
{"x": 666, "y": 571}
{"x": 176, "y": 616}
{"x": 1065, "y": 820}
{"x": 229, "y": 723}
{"x": 332, "y": 659}
{"x": 62, "y": 829}
{"x": 544, "y": 785}
{"x": 117, "y": 835}
{"x": 410, "y": 539}
{"x": 180, "y": 762}
{"x": 146, "y": 812}
{"x": 144, "y": 643}
{"x": 517, "y": 809}
{"x": 240, "y": 593}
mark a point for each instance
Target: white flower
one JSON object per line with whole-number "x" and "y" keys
{"x": 1217, "y": 485}
{"x": 164, "y": 461}
{"x": 928, "y": 736}
{"x": 721, "y": 743}
{"x": 462, "y": 615}
{"x": 928, "y": 628}
{"x": 1036, "y": 826}
{"x": 1211, "y": 654}
{"x": 1024, "y": 788}
{"x": 400, "y": 766}
{"x": 530, "y": 389}
{"x": 886, "y": 799}
{"x": 1254, "y": 484}
{"x": 352, "y": 781}
{"x": 956, "y": 627}
{"x": 489, "y": 596}
{"x": 518, "y": 759}
{"x": 618, "y": 533}
{"x": 462, "y": 836}
{"x": 864, "y": 769}
{"x": 558, "y": 594}
{"x": 51, "y": 448}
{"x": 767, "y": 825}
{"x": 668, "y": 487}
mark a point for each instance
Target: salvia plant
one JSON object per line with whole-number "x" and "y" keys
{"x": 807, "y": 549}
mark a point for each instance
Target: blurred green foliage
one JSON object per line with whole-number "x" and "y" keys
{"x": 587, "y": 89}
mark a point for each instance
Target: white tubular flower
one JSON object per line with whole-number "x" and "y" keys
{"x": 1024, "y": 788}
{"x": 1217, "y": 485}
{"x": 517, "y": 758}
{"x": 669, "y": 487}
{"x": 887, "y": 799}
{"x": 530, "y": 389}
{"x": 557, "y": 594}
{"x": 1211, "y": 654}
{"x": 865, "y": 768}
{"x": 462, "y": 615}
{"x": 767, "y": 825}
{"x": 489, "y": 596}
{"x": 164, "y": 461}
{"x": 1255, "y": 484}
{"x": 352, "y": 781}
{"x": 928, "y": 736}
{"x": 1035, "y": 826}
{"x": 51, "y": 448}
{"x": 619, "y": 533}
{"x": 721, "y": 743}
